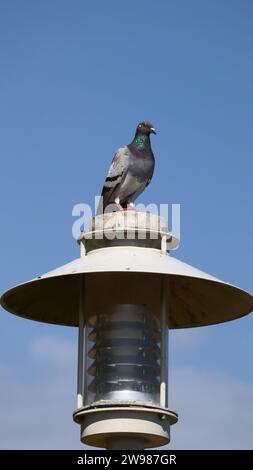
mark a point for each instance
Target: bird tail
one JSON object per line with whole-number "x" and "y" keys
{"x": 105, "y": 200}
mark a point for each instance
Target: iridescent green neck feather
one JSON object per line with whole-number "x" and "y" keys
{"x": 141, "y": 141}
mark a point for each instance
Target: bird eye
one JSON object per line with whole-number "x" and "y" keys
{"x": 140, "y": 125}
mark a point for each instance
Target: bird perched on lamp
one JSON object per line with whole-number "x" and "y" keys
{"x": 130, "y": 172}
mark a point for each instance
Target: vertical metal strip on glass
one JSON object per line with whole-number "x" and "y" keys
{"x": 164, "y": 346}
{"x": 81, "y": 349}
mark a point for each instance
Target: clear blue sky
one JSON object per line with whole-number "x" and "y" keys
{"x": 75, "y": 79}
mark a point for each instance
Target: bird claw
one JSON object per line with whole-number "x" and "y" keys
{"x": 130, "y": 207}
{"x": 120, "y": 208}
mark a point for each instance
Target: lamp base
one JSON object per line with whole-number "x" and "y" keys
{"x": 114, "y": 425}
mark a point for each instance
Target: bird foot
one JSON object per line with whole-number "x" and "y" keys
{"x": 120, "y": 208}
{"x": 130, "y": 206}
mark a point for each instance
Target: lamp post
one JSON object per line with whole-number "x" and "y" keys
{"x": 124, "y": 293}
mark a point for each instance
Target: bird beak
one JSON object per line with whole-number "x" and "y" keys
{"x": 152, "y": 129}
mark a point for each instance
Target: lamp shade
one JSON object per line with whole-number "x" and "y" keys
{"x": 124, "y": 273}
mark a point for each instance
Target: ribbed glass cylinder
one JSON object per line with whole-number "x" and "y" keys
{"x": 123, "y": 364}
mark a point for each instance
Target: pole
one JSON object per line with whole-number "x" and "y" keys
{"x": 81, "y": 340}
{"x": 164, "y": 347}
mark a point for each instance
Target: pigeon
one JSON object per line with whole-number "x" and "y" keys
{"x": 130, "y": 172}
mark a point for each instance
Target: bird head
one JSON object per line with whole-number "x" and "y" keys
{"x": 145, "y": 127}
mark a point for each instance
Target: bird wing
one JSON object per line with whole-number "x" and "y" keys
{"x": 151, "y": 172}
{"x": 117, "y": 173}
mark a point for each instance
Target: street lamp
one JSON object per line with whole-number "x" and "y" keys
{"x": 124, "y": 293}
